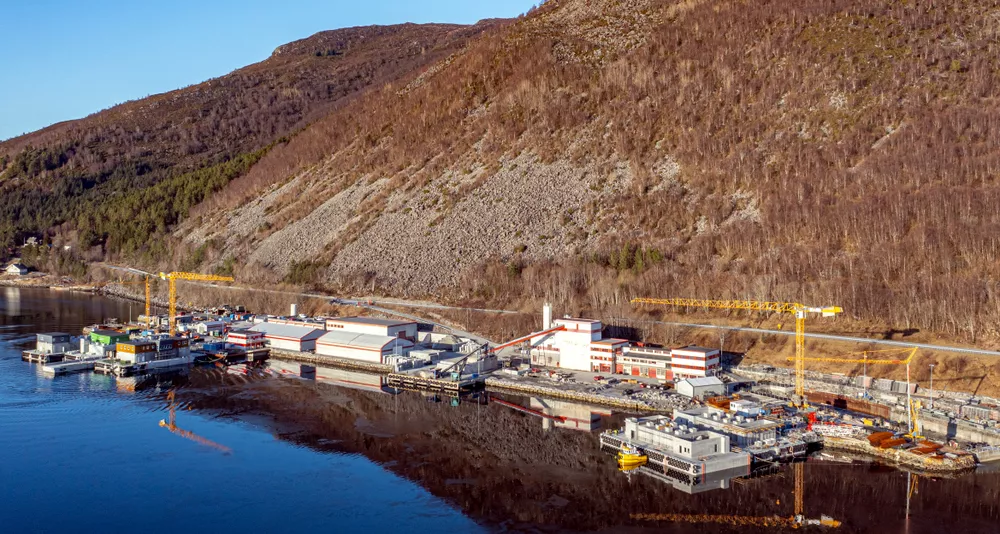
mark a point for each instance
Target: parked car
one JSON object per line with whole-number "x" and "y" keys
{"x": 598, "y": 378}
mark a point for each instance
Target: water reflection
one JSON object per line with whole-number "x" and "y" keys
{"x": 679, "y": 481}
{"x": 505, "y": 468}
{"x": 569, "y": 415}
{"x": 513, "y": 467}
{"x": 11, "y": 301}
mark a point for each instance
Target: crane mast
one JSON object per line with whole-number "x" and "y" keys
{"x": 172, "y": 279}
{"x": 912, "y": 406}
{"x": 800, "y": 311}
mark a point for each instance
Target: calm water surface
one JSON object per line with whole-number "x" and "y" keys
{"x": 77, "y": 455}
{"x": 85, "y": 454}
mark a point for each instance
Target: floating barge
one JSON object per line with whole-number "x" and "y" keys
{"x": 50, "y": 348}
{"x": 442, "y": 385}
{"x": 71, "y": 364}
{"x": 678, "y": 452}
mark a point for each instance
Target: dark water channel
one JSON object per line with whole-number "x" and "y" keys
{"x": 85, "y": 453}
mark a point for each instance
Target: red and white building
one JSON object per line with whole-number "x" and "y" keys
{"x": 579, "y": 345}
{"x": 695, "y": 362}
{"x": 642, "y": 360}
{"x": 288, "y": 337}
{"x": 246, "y": 339}
{"x": 363, "y": 347}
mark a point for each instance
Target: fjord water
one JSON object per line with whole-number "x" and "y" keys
{"x": 84, "y": 453}
{"x": 78, "y": 455}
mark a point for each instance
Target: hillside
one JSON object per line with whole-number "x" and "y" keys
{"x": 828, "y": 152}
{"x": 836, "y": 152}
{"x": 122, "y": 176}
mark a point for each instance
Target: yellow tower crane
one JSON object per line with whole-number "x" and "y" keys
{"x": 798, "y": 310}
{"x": 173, "y": 277}
{"x": 913, "y": 406}
{"x": 798, "y": 520}
{"x": 171, "y": 425}
{"x": 149, "y": 319}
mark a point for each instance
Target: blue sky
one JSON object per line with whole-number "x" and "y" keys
{"x": 65, "y": 59}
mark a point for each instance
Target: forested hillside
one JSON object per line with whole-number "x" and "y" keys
{"x": 830, "y": 152}
{"x": 121, "y": 177}
{"x": 835, "y": 152}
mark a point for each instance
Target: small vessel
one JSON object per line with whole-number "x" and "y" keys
{"x": 630, "y": 459}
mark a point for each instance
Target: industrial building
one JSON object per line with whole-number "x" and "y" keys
{"x": 580, "y": 345}
{"x": 676, "y": 447}
{"x": 246, "y": 339}
{"x": 742, "y": 430}
{"x": 53, "y": 343}
{"x": 364, "y": 347}
{"x": 576, "y": 344}
{"x": 288, "y": 337}
{"x": 138, "y": 351}
{"x": 694, "y": 362}
{"x": 107, "y": 337}
{"x": 210, "y": 328}
{"x": 701, "y": 388}
{"x": 305, "y": 323}
{"x": 639, "y": 359}
{"x": 374, "y": 326}
{"x": 439, "y": 341}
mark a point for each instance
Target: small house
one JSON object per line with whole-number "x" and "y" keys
{"x": 16, "y": 269}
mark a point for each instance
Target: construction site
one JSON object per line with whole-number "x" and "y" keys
{"x": 692, "y": 419}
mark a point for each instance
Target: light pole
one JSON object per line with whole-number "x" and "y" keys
{"x": 932, "y": 385}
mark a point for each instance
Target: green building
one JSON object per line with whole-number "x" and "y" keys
{"x": 107, "y": 337}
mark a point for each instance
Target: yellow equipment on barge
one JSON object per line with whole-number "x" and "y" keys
{"x": 631, "y": 459}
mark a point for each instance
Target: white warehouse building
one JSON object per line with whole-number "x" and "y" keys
{"x": 288, "y": 337}
{"x": 364, "y": 347}
{"x": 374, "y": 326}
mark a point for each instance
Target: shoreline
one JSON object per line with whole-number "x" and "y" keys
{"x": 901, "y": 458}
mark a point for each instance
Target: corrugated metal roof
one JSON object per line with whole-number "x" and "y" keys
{"x": 288, "y": 331}
{"x": 705, "y": 381}
{"x": 364, "y": 341}
{"x": 370, "y": 321}
{"x": 696, "y": 348}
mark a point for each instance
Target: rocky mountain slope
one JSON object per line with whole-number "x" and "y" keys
{"x": 828, "y": 152}
{"x": 836, "y": 152}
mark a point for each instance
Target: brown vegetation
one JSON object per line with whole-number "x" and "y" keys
{"x": 836, "y": 152}
{"x": 828, "y": 152}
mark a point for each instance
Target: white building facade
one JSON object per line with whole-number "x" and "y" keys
{"x": 374, "y": 326}
{"x": 695, "y": 362}
{"x": 362, "y": 347}
{"x": 287, "y": 337}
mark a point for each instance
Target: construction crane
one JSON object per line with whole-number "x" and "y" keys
{"x": 800, "y": 311}
{"x": 912, "y": 406}
{"x": 149, "y": 319}
{"x": 172, "y": 426}
{"x": 173, "y": 277}
{"x": 460, "y": 363}
{"x": 796, "y": 521}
